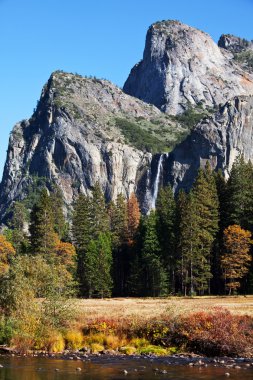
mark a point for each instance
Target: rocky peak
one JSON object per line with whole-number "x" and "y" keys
{"x": 86, "y": 130}
{"x": 234, "y": 44}
{"x": 241, "y": 49}
{"x": 183, "y": 66}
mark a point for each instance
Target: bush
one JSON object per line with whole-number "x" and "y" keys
{"x": 128, "y": 350}
{"x": 190, "y": 117}
{"x": 7, "y": 329}
{"x": 94, "y": 338}
{"x": 245, "y": 57}
{"x": 54, "y": 342}
{"x": 139, "y": 342}
{"x": 96, "y": 347}
{"x": 113, "y": 342}
{"x": 151, "y": 349}
{"x": 74, "y": 340}
{"x": 217, "y": 333}
{"x": 22, "y": 343}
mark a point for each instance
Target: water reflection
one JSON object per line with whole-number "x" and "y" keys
{"x": 111, "y": 369}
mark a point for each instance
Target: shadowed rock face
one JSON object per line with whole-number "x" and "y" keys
{"x": 218, "y": 139}
{"x": 74, "y": 141}
{"x": 183, "y": 66}
{"x": 234, "y": 44}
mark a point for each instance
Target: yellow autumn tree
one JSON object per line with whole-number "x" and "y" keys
{"x": 236, "y": 258}
{"x": 65, "y": 255}
{"x": 6, "y": 252}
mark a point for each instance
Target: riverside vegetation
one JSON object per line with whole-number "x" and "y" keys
{"x": 196, "y": 243}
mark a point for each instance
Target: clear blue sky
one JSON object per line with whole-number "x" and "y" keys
{"x": 104, "y": 38}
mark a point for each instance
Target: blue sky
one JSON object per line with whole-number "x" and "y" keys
{"x": 104, "y": 38}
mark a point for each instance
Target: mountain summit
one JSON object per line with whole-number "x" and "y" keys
{"x": 182, "y": 66}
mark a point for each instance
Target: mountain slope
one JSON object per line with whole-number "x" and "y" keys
{"x": 86, "y": 130}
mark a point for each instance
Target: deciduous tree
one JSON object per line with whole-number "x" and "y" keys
{"x": 236, "y": 258}
{"x": 7, "y": 251}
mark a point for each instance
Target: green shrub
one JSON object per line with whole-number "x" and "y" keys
{"x": 151, "y": 349}
{"x": 140, "y": 138}
{"x": 245, "y": 57}
{"x": 190, "y": 117}
{"x": 7, "y": 330}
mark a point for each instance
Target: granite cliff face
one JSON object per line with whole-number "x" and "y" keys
{"x": 77, "y": 137}
{"x": 86, "y": 130}
{"x": 183, "y": 66}
{"x": 218, "y": 139}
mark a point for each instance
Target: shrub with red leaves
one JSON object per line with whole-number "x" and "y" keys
{"x": 217, "y": 333}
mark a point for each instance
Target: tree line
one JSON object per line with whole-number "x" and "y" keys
{"x": 192, "y": 243}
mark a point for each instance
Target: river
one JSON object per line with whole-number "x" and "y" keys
{"x": 113, "y": 368}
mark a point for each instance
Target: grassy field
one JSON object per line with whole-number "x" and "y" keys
{"x": 211, "y": 326}
{"x": 146, "y": 308}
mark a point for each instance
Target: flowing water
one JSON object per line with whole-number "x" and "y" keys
{"x": 157, "y": 180}
{"x": 112, "y": 368}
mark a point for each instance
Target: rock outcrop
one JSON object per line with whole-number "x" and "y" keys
{"x": 183, "y": 66}
{"x": 218, "y": 139}
{"x": 234, "y": 44}
{"x": 77, "y": 137}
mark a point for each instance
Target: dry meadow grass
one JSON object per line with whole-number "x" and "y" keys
{"x": 151, "y": 308}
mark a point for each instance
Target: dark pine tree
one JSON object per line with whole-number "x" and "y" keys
{"x": 155, "y": 276}
{"x": 166, "y": 213}
{"x": 42, "y": 227}
{"x": 118, "y": 225}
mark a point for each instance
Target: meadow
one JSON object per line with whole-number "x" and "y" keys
{"x": 146, "y": 308}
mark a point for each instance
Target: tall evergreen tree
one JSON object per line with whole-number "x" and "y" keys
{"x": 97, "y": 266}
{"x": 18, "y": 222}
{"x": 187, "y": 243}
{"x": 60, "y": 224}
{"x": 81, "y": 223}
{"x": 42, "y": 226}
{"x": 240, "y": 194}
{"x": 90, "y": 219}
{"x": 166, "y": 213}
{"x": 207, "y": 215}
{"x": 118, "y": 225}
{"x": 198, "y": 228}
{"x": 99, "y": 214}
{"x": 155, "y": 279}
{"x": 216, "y": 281}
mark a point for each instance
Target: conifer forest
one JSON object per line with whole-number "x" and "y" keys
{"x": 195, "y": 243}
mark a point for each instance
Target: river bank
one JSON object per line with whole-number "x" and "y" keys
{"x": 216, "y": 332}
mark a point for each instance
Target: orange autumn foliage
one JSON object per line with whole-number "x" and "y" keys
{"x": 6, "y": 252}
{"x": 65, "y": 252}
{"x": 236, "y": 259}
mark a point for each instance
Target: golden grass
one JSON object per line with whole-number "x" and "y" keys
{"x": 148, "y": 308}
